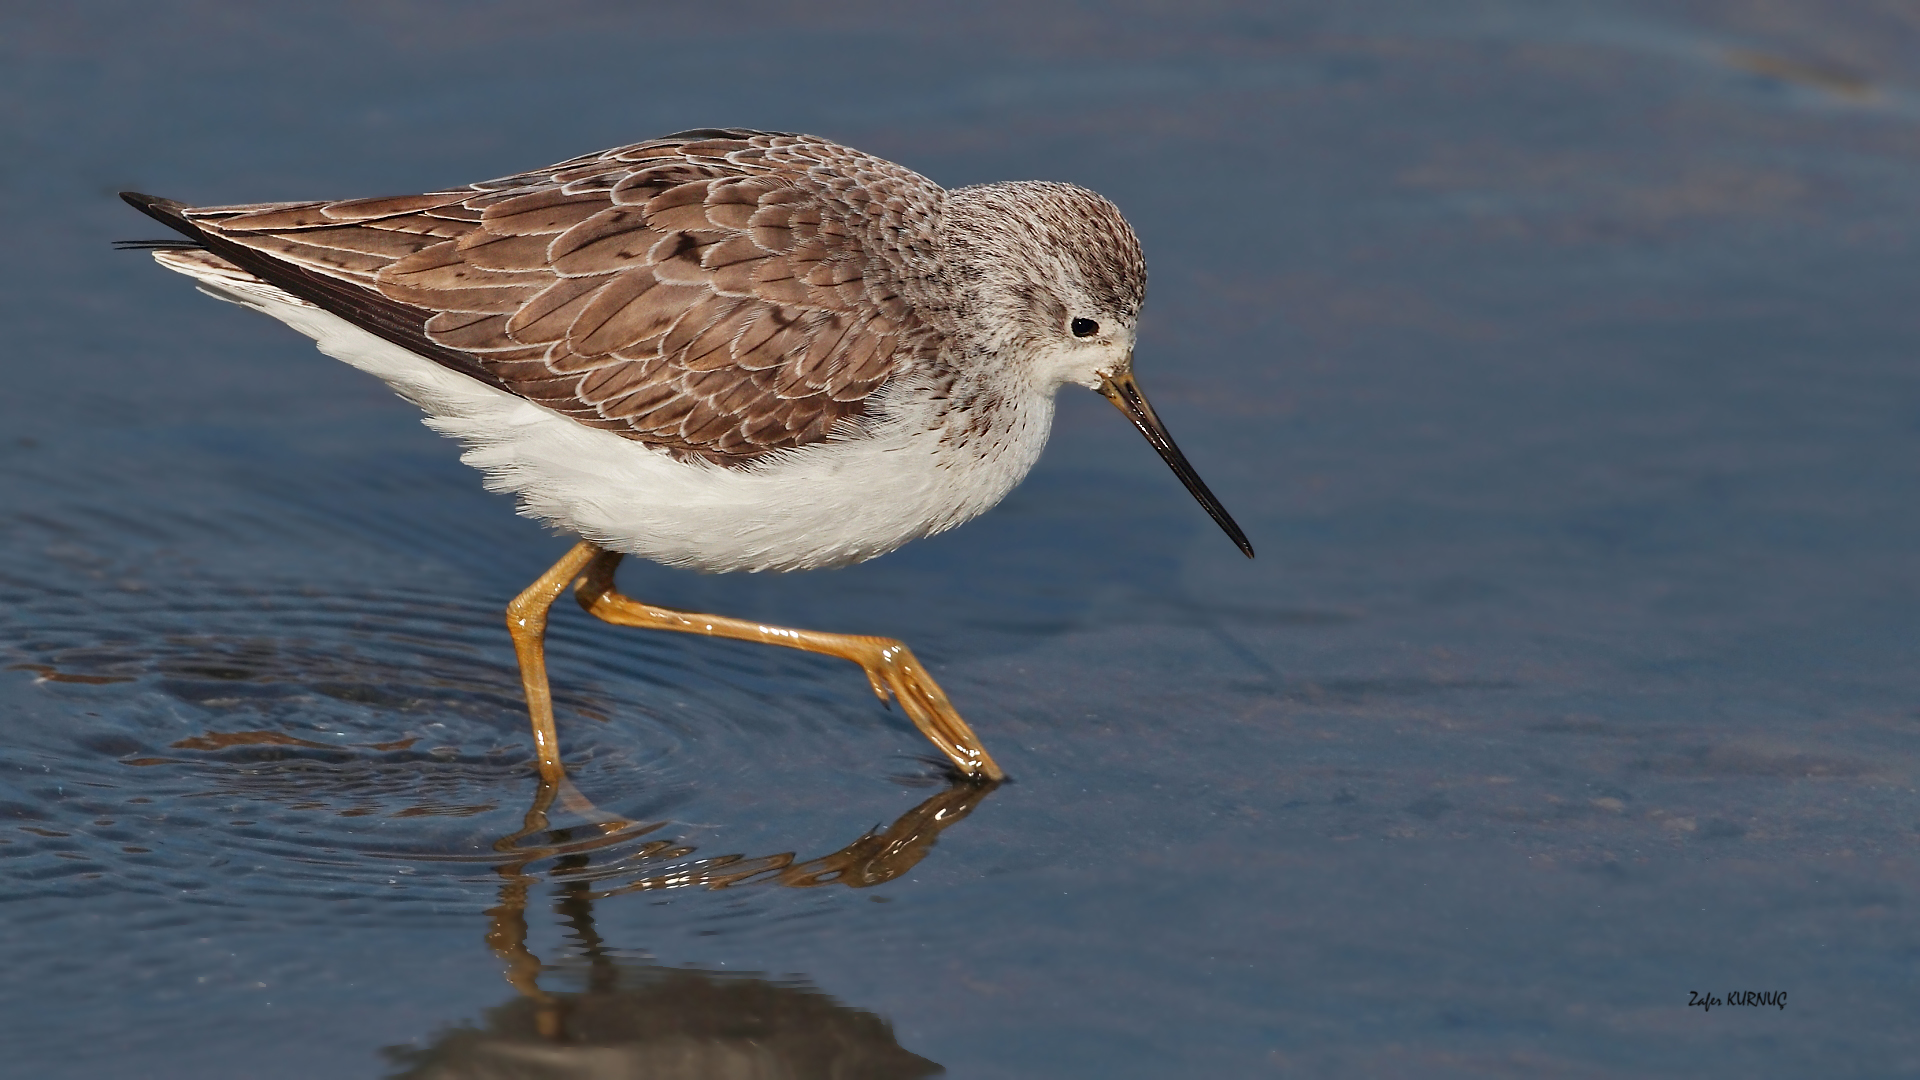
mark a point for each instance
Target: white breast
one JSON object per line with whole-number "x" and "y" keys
{"x": 828, "y": 504}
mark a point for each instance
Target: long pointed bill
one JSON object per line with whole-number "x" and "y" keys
{"x": 1126, "y": 396}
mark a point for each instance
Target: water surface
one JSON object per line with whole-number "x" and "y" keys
{"x": 1557, "y": 357}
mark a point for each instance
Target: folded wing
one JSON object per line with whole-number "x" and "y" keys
{"x": 719, "y": 294}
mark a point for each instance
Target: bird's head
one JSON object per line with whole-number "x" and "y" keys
{"x": 1049, "y": 281}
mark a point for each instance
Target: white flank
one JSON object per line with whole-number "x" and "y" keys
{"x": 828, "y": 504}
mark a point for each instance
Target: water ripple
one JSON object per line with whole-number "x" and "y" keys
{"x": 212, "y": 740}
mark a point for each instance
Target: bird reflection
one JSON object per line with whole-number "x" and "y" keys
{"x": 630, "y": 1019}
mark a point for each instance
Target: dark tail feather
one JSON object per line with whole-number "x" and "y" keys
{"x": 398, "y": 322}
{"x": 167, "y": 212}
{"x": 157, "y": 245}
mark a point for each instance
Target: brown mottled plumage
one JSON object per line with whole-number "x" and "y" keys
{"x": 720, "y": 294}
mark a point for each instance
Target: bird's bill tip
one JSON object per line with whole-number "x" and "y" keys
{"x": 1121, "y": 389}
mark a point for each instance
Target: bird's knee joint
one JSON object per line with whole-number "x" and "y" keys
{"x": 590, "y": 599}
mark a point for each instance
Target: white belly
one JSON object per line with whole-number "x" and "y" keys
{"x": 828, "y": 504}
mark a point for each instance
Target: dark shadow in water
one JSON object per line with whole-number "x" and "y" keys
{"x": 631, "y": 1019}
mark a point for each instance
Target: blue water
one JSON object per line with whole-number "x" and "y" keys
{"x": 1557, "y": 357}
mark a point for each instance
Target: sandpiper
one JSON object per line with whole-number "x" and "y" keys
{"x": 720, "y": 349}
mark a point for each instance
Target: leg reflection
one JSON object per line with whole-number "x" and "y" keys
{"x": 870, "y": 859}
{"x": 883, "y": 856}
{"x": 630, "y": 1018}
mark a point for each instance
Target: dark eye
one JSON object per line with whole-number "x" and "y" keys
{"x": 1085, "y": 328}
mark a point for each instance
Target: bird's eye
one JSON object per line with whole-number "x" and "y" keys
{"x": 1085, "y": 328}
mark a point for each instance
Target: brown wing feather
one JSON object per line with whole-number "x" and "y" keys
{"x": 721, "y": 294}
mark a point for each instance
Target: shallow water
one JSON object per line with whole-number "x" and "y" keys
{"x": 1557, "y": 357}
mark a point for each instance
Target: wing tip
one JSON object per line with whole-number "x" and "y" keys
{"x": 169, "y": 212}
{"x": 147, "y": 203}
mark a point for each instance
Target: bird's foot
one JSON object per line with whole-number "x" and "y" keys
{"x": 893, "y": 670}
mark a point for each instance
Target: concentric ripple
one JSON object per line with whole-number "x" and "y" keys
{"x": 194, "y": 736}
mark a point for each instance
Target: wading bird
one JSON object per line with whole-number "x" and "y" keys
{"x": 721, "y": 349}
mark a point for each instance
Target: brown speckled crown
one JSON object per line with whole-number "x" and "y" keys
{"x": 1030, "y": 241}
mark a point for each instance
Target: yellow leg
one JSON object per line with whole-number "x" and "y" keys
{"x": 890, "y": 665}
{"x": 527, "y": 622}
